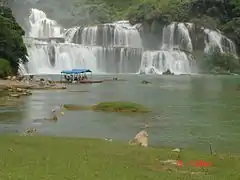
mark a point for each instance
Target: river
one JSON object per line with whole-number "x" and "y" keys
{"x": 188, "y": 111}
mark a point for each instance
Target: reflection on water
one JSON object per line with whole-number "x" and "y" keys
{"x": 187, "y": 111}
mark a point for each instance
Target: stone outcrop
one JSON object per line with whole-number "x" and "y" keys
{"x": 140, "y": 139}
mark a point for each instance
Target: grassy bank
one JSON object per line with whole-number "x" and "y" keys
{"x": 42, "y": 158}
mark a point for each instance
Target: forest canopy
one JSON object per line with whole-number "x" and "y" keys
{"x": 12, "y": 47}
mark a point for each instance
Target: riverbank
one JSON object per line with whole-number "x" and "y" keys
{"x": 8, "y": 84}
{"x": 55, "y": 158}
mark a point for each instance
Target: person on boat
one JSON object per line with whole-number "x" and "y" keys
{"x": 85, "y": 76}
{"x": 80, "y": 77}
{"x": 67, "y": 77}
{"x": 71, "y": 77}
{"x": 75, "y": 78}
{"x": 31, "y": 78}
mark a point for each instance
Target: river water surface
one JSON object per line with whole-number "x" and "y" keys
{"x": 188, "y": 111}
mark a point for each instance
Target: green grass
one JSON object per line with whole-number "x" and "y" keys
{"x": 119, "y": 106}
{"x": 42, "y": 158}
{"x": 74, "y": 107}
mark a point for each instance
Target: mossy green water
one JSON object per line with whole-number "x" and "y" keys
{"x": 40, "y": 157}
{"x": 117, "y": 106}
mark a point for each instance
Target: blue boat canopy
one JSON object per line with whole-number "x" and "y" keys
{"x": 76, "y": 71}
{"x": 67, "y": 72}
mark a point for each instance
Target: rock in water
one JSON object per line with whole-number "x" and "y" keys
{"x": 146, "y": 82}
{"x": 168, "y": 72}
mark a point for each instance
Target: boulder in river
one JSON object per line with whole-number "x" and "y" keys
{"x": 145, "y": 82}
{"x": 168, "y": 72}
{"x": 18, "y": 92}
{"x": 140, "y": 139}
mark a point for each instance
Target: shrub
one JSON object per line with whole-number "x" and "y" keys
{"x": 5, "y": 68}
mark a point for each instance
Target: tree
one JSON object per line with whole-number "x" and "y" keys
{"x": 5, "y": 68}
{"x": 12, "y": 47}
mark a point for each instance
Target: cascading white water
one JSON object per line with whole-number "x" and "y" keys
{"x": 217, "y": 40}
{"x": 47, "y": 57}
{"x": 175, "y": 52}
{"x": 175, "y": 38}
{"x": 117, "y": 34}
{"x": 113, "y": 47}
{"x": 117, "y": 46}
{"x": 120, "y": 60}
{"x": 157, "y": 62}
{"x": 41, "y": 26}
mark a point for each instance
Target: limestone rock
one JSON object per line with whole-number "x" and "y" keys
{"x": 140, "y": 139}
{"x": 176, "y": 150}
{"x": 20, "y": 90}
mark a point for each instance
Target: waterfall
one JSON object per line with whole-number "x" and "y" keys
{"x": 215, "y": 39}
{"x": 173, "y": 54}
{"x": 47, "y": 51}
{"x": 45, "y": 58}
{"x": 116, "y": 47}
{"x": 160, "y": 61}
{"x": 41, "y": 26}
{"x": 176, "y": 47}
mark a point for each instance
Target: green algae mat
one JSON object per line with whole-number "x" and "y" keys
{"x": 56, "y": 158}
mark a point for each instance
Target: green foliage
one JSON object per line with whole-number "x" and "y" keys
{"x": 5, "y": 68}
{"x": 213, "y": 14}
{"x": 205, "y": 21}
{"x": 216, "y": 61}
{"x": 12, "y": 47}
{"x": 120, "y": 106}
{"x": 92, "y": 12}
{"x": 162, "y": 11}
{"x": 224, "y": 15}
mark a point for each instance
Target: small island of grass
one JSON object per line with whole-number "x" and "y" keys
{"x": 120, "y": 106}
{"x": 116, "y": 106}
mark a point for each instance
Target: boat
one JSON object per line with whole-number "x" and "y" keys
{"x": 78, "y": 76}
